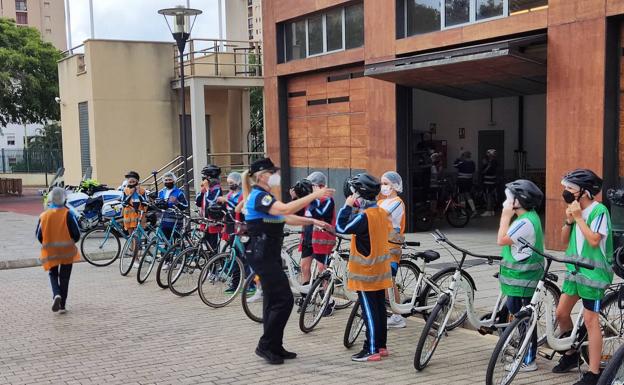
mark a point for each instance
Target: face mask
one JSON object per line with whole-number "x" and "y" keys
{"x": 275, "y": 180}
{"x": 568, "y": 197}
{"x": 169, "y": 185}
{"x": 233, "y": 187}
{"x": 386, "y": 190}
{"x": 132, "y": 185}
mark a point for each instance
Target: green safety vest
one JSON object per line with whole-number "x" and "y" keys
{"x": 590, "y": 284}
{"x": 520, "y": 278}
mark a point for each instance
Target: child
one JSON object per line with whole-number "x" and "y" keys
{"x": 521, "y": 268}
{"x": 587, "y": 230}
{"x": 369, "y": 270}
{"x": 231, "y": 200}
{"x": 174, "y": 198}
{"x": 209, "y": 193}
{"x": 134, "y": 200}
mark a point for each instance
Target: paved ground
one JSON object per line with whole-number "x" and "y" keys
{"x": 18, "y": 216}
{"x": 118, "y": 332}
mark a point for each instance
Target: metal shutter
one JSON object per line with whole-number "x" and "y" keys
{"x": 83, "y": 122}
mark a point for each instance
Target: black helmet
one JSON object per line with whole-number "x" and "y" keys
{"x": 527, "y": 193}
{"x": 132, "y": 174}
{"x": 161, "y": 204}
{"x": 303, "y": 188}
{"x": 346, "y": 187}
{"x": 211, "y": 171}
{"x": 586, "y": 179}
{"x": 618, "y": 262}
{"x": 366, "y": 185}
{"x": 216, "y": 211}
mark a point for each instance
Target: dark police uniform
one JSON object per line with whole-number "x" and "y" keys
{"x": 264, "y": 255}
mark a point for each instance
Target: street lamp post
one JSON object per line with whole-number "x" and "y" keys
{"x": 180, "y": 18}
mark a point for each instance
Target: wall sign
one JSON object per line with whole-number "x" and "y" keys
{"x": 462, "y": 133}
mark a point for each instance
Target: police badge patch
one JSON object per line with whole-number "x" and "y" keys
{"x": 267, "y": 200}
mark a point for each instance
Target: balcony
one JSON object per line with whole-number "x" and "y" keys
{"x": 224, "y": 61}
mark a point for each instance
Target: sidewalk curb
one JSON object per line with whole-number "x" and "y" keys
{"x": 19, "y": 263}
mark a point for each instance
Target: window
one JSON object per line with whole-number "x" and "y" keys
{"x": 354, "y": 26}
{"x": 423, "y": 16}
{"x": 12, "y": 160}
{"x": 456, "y": 12}
{"x": 334, "y": 30}
{"x": 315, "y": 35}
{"x": 521, "y": 6}
{"x": 489, "y": 8}
{"x": 20, "y": 5}
{"x": 10, "y": 140}
{"x": 249, "y": 24}
{"x": 46, "y": 4}
{"x": 83, "y": 125}
{"x": 21, "y": 17}
{"x": 48, "y": 31}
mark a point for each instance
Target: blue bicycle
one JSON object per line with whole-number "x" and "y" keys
{"x": 101, "y": 245}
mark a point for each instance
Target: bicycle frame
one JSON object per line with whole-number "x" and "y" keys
{"x": 408, "y": 308}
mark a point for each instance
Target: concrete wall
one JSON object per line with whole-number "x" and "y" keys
{"x": 29, "y": 180}
{"x": 450, "y": 114}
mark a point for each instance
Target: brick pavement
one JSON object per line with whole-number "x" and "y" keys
{"x": 118, "y": 332}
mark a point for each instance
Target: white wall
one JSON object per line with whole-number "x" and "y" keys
{"x": 450, "y": 114}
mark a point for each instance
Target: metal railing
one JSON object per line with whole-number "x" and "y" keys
{"x": 30, "y": 160}
{"x": 174, "y": 166}
{"x": 220, "y": 58}
{"x": 233, "y": 161}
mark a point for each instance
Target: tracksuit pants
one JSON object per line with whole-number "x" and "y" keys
{"x": 374, "y": 314}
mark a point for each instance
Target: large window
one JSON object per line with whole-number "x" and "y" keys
{"x": 20, "y": 5}
{"x": 21, "y": 18}
{"x": 422, "y": 16}
{"x": 334, "y": 30}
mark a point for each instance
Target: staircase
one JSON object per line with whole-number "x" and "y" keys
{"x": 174, "y": 166}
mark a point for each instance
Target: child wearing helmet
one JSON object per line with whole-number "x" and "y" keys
{"x": 587, "y": 231}
{"x": 231, "y": 200}
{"x": 134, "y": 200}
{"x": 368, "y": 271}
{"x": 521, "y": 268}
{"x": 391, "y": 187}
{"x": 208, "y": 195}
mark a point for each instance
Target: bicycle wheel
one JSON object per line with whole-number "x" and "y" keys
{"x": 148, "y": 260}
{"x": 221, "y": 279}
{"x": 100, "y": 246}
{"x": 457, "y": 216}
{"x": 162, "y": 271}
{"x": 128, "y": 254}
{"x": 431, "y": 334}
{"x": 315, "y": 302}
{"x": 611, "y": 324}
{"x": 552, "y": 295}
{"x": 406, "y": 280}
{"x": 614, "y": 372}
{"x": 442, "y": 279}
{"x": 251, "y": 298}
{"x": 355, "y": 326}
{"x": 183, "y": 275}
{"x": 509, "y": 352}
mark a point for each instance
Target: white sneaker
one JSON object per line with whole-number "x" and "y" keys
{"x": 395, "y": 321}
{"x": 257, "y": 296}
{"x": 524, "y": 368}
{"x": 166, "y": 266}
{"x": 136, "y": 265}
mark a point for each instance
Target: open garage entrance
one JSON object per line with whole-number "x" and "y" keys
{"x": 469, "y": 99}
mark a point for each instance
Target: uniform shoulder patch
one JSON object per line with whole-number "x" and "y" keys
{"x": 266, "y": 200}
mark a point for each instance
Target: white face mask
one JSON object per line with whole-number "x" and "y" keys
{"x": 386, "y": 190}
{"x": 275, "y": 180}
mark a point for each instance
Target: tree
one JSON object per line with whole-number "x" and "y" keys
{"x": 28, "y": 76}
{"x": 48, "y": 138}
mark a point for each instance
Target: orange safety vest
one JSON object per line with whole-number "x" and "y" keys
{"x": 371, "y": 272}
{"x": 393, "y": 236}
{"x": 57, "y": 245}
{"x": 130, "y": 215}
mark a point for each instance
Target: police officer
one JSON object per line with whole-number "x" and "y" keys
{"x": 265, "y": 217}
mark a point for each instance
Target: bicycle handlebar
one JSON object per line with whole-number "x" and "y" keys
{"x": 440, "y": 237}
{"x": 571, "y": 261}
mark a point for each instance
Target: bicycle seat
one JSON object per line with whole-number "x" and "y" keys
{"x": 411, "y": 243}
{"x": 428, "y": 255}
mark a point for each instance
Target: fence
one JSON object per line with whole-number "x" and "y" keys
{"x": 30, "y": 160}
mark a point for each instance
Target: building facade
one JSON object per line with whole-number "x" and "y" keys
{"x": 254, "y": 19}
{"x": 378, "y": 85}
{"x": 48, "y": 16}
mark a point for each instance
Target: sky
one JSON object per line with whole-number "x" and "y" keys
{"x": 137, "y": 19}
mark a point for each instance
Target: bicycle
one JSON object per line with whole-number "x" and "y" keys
{"x": 454, "y": 206}
{"x": 437, "y": 321}
{"x": 101, "y": 245}
{"x": 413, "y": 298}
{"x": 515, "y": 340}
{"x": 613, "y": 374}
{"x": 136, "y": 241}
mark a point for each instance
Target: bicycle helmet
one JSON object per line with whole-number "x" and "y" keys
{"x": 346, "y": 187}
{"x": 132, "y": 174}
{"x": 211, "y": 171}
{"x": 527, "y": 193}
{"x": 585, "y": 179}
{"x": 303, "y": 188}
{"x": 216, "y": 211}
{"x": 366, "y": 185}
{"x": 618, "y": 262}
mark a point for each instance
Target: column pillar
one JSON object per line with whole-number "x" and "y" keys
{"x": 198, "y": 129}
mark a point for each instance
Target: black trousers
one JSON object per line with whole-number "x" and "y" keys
{"x": 263, "y": 254}
{"x": 59, "y": 280}
{"x": 374, "y": 313}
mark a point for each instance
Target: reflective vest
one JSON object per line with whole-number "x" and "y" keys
{"x": 371, "y": 272}
{"x": 57, "y": 245}
{"x": 519, "y": 278}
{"x": 395, "y": 237}
{"x": 591, "y": 284}
{"x": 130, "y": 214}
{"x": 323, "y": 242}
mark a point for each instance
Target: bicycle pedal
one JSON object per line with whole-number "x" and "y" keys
{"x": 485, "y": 330}
{"x": 546, "y": 355}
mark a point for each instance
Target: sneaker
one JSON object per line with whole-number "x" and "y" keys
{"x": 589, "y": 378}
{"x": 395, "y": 321}
{"x": 384, "y": 352}
{"x": 524, "y": 368}
{"x": 62, "y": 310}
{"x": 366, "y": 355}
{"x": 230, "y": 290}
{"x": 56, "y": 303}
{"x": 257, "y": 296}
{"x": 568, "y": 362}
{"x": 269, "y": 356}
{"x": 329, "y": 310}
{"x": 136, "y": 265}
{"x": 285, "y": 354}
{"x": 166, "y": 266}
